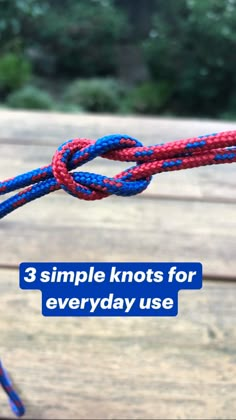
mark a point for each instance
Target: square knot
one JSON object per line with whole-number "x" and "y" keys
{"x": 90, "y": 186}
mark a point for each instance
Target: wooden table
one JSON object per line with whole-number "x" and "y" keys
{"x": 83, "y": 368}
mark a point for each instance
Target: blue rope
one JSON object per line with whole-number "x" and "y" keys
{"x": 14, "y": 399}
{"x": 198, "y": 151}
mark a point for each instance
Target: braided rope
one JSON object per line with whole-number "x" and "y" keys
{"x": 182, "y": 154}
{"x": 15, "y": 401}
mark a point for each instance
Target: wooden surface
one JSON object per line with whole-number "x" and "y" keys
{"x": 183, "y": 367}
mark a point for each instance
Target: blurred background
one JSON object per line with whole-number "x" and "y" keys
{"x": 164, "y": 58}
{"x": 157, "y": 57}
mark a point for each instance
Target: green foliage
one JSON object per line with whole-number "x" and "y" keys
{"x": 76, "y": 37}
{"x": 229, "y": 112}
{"x": 189, "y": 52}
{"x": 228, "y": 115}
{"x": 16, "y": 19}
{"x": 191, "y": 45}
{"x": 15, "y": 70}
{"x": 67, "y": 107}
{"x": 150, "y": 97}
{"x": 81, "y": 36}
{"x": 30, "y": 97}
{"x": 96, "y": 95}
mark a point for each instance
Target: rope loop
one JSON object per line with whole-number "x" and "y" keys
{"x": 211, "y": 149}
{"x": 90, "y": 186}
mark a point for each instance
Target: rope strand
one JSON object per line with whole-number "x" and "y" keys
{"x": 210, "y": 149}
{"x": 14, "y": 399}
{"x": 182, "y": 154}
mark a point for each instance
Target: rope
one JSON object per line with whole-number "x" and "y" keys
{"x": 15, "y": 401}
{"x": 199, "y": 151}
{"x": 182, "y": 154}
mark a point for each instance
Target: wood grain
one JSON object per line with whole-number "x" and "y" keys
{"x": 58, "y": 227}
{"x": 84, "y": 368}
{"x": 54, "y": 128}
{"x": 122, "y": 368}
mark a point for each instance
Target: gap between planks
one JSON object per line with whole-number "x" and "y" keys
{"x": 208, "y": 277}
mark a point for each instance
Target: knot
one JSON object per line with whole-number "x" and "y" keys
{"x": 211, "y": 149}
{"x": 90, "y": 186}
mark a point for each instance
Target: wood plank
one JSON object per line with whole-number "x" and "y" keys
{"x": 206, "y": 183}
{"x": 105, "y": 368}
{"x": 27, "y": 127}
{"x": 59, "y": 227}
{"x": 149, "y": 368}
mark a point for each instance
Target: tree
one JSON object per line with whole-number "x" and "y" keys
{"x": 15, "y": 18}
{"x": 191, "y": 46}
{"x": 81, "y": 36}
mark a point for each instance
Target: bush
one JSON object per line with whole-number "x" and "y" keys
{"x": 80, "y": 37}
{"x": 68, "y": 108}
{"x": 190, "y": 45}
{"x": 149, "y": 97}
{"x": 30, "y": 97}
{"x": 15, "y": 71}
{"x": 229, "y": 112}
{"x": 228, "y": 116}
{"x": 96, "y": 95}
